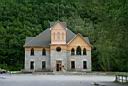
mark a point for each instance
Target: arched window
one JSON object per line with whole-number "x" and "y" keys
{"x": 84, "y": 51}
{"x": 54, "y": 36}
{"x": 43, "y": 52}
{"x": 78, "y": 50}
{"x": 72, "y": 51}
{"x": 32, "y": 52}
{"x": 58, "y": 36}
{"x": 62, "y": 36}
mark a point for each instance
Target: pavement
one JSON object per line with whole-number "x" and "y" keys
{"x": 57, "y": 80}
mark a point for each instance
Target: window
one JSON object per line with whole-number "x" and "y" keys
{"x": 43, "y": 64}
{"x": 72, "y": 51}
{"x": 58, "y": 36}
{"x": 54, "y": 36}
{"x": 62, "y": 36}
{"x": 84, "y": 64}
{"x": 78, "y": 50}
{"x": 44, "y": 52}
{"x": 32, "y": 65}
{"x": 32, "y": 52}
{"x": 58, "y": 49}
{"x": 72, "y": 64}
{"x": 84, "y": 52}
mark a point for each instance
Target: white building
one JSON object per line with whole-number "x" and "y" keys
{"x": 57, "y": 49}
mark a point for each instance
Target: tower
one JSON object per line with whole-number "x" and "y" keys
{"x": 58, "y": 33}
{"x": 58, "y": 46}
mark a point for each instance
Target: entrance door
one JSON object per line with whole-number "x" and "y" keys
{"x": 58, "y": 65}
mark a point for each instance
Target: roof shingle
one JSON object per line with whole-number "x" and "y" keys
{"x": 44, "y": 38}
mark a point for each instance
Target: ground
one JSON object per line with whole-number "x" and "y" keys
{"x": 56, "y": 80}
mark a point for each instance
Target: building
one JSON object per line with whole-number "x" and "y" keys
{"x": 57, "y": 49}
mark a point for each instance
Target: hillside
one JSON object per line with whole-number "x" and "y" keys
{"x": 105, "y": 22}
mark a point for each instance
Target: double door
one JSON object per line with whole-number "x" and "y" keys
{"x": 58, "y": 65}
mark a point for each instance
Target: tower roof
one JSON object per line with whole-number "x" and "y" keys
{"x": 63, "y": 24}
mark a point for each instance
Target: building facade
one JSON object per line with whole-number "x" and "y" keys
{"x": 57, "y": 49}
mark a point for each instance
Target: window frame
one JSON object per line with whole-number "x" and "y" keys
{"x": 32, "y": 65}
{"x": 58, "y": 49}
{"x": 32, "y": 52}
{"x": 84, "y": 51}
{"x": 43, "y": 66}
{"x": 72, "y": 51}
{"x": 58, "y": 36}
{"x": 84, "y": 64}
{"x": 54, "y": 38}
{"x": 63, "y": 38}
{"x": 78, "y": 50}
{"x": 43, "y": 52}
{"x": 73, "y": 66}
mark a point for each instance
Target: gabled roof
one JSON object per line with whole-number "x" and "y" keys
{"x": 44, "y": 38}
{"x": 87, "y": 40}
{"x": 63, "y": 24}
{"x": 41, "y": 40}
{"x": 35, "y": 42}
{"x": 84, "y": 38}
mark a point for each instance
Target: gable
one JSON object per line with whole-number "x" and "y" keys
{"x": 78, "y": 40}
{"x": 44, "y": 38}
{"x": 58, "y": 26}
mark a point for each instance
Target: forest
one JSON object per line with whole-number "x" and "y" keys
{"x": 105, "y": 22}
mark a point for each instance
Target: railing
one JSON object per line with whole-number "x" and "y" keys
{"x": 122, "y": 78}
